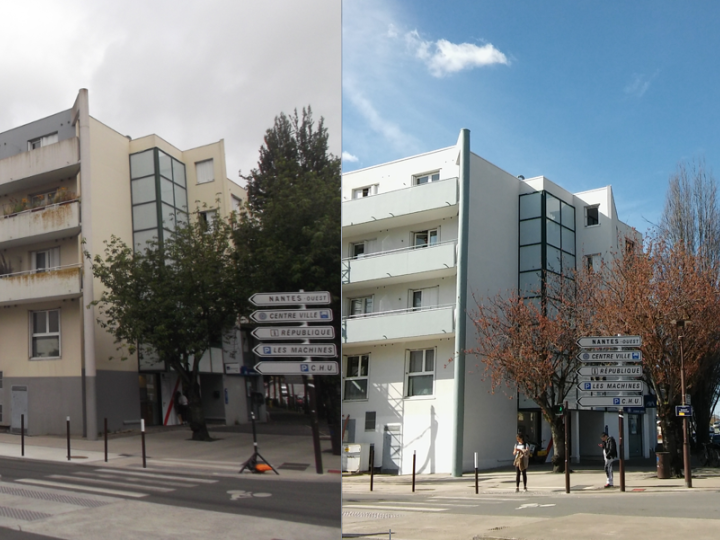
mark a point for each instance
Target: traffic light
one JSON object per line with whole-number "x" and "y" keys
{"x": 559, "y": 410}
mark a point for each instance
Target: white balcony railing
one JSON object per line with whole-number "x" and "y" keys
{"x": 36, "y": 286}
{"x": 54, "y": 161}
{"x": 390, "y": 266}
{"x": 400, "y": 325}
{"x": 403, "y": 206}
{"x": 40, "y": 224}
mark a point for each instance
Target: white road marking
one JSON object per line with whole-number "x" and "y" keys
{"x": 375, "y": 507}
{"x": 111, "y": 482}
{"x": 166, "y": 476}
{"x": 489, "y": 499}
{"x": 239, "y": 494}
{"x": 83, "y": 488}
{"x": 133, "y": 479}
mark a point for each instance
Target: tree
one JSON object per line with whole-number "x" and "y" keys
{"x": 531, "y": 345}
{"x": 642, "y": 293}
{"x": 691, "y": 218}
{"x": 176, "y": 299}
{"x": 289, "y": 236}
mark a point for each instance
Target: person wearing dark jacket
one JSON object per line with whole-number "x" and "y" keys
{"x": 609, "y": 449}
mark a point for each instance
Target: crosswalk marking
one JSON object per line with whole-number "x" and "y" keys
{"x": 112, "y": 483}
{"x": 133, "y": 479}
{"x": 378, "y": 507}
{"x": 153, "y": 475}
{"x": 84, "y": 488}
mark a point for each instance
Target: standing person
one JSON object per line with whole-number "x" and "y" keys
{"x": 181, "y": 407}
{"x": 521, "y": 451}
{"x": 609, "y": 449}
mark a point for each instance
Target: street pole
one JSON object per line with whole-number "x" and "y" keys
{"x": 566, "y": 418}
{"x": 621, "y": 448}
{"x": 686, "y": 449}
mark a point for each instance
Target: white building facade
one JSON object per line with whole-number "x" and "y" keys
{"x": 422, "y": 237}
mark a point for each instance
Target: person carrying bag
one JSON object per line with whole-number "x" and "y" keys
{"x": 521, "y": 451}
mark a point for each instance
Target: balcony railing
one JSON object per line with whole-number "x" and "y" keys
{"x": 400, "y": 325}
{"x": 42, "y": 165}
{"x": 395, "y": 265}
{"x": 403, "y": 206}
{"x": 39, "y": 285}
{"x": 40, "y": 224}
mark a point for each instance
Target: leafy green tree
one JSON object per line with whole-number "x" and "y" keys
{"x": 175, "y": 298}
{"x": 289, "y": 237}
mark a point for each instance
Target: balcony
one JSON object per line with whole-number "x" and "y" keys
{"x": 402, "y": 207}
{"x": 399, "y": 326}
{"x": 40, "y": 224}
{"x": 30, "y": 170}
{"x": 36, "y": 286}
{"x": 388, "y": 267}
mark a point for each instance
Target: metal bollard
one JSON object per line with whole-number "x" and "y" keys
{"x": 67, "y": 423}
{"x": 22, "y": 435}
{"x": 476, "y": 475}
{"x": 372, "y": 466}
{"x": 142, "y": 435}
{"x": 414, "y": 455}
{"x": 105, "y": 430}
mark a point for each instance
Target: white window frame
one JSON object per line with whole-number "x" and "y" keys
{"x": 205, "y": 171}
{"x": 428, "y": 298}
{"x": 353, "y": 255}
{"x": 593, "y": 262}
{"x": 364, "y": 300}
{"x": 425, "y": 178}
{"x": 32, "y": 335}
{"x": 52, "y": 259}
{"x": 365, "y": 191}
{"x": 430, "y": 233}
{"x": 45, "y": 140}
{"x": 595, "y": 207}
{"x": 362, "y": 359}
{"x": 424, "y": 372}
{"x": 209, "y": 217}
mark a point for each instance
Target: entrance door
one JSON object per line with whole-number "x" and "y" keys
{"x": 19, "y": 407}
{"x": 635, "y": 435}
{"x": 392, "y": 449}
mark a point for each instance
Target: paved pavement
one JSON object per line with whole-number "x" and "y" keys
{"x": 64, "y": 514}
{"x": 444, "y": 507}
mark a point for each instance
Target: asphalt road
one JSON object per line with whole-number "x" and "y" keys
{"x": 265, "y": 496}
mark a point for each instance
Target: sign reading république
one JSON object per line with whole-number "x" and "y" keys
{"x": 294, "y": 332}
{"x": 611, "y": 371}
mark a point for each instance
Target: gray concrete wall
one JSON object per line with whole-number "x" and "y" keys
{"x": 118, "y": 398}
{"x": 15, "y": 141}
{"x": 236, "y": 408}
{"x": 50, "y": 401}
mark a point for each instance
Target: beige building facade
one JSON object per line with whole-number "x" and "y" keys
{"x": 68, "y": 183}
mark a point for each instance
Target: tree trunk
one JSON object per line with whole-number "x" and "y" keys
{"x": 197, "y": 416}
{"x": 672, "y": 441}
{"x": 557, "y": 428}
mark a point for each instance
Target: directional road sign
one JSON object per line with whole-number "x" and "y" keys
{"x": 609, "y": 401}
{"x": 291, "y": 299}
{"x": 610, "y": 356}
{"x": 609, "y": 341}
{"x": 611, "y": 371}
{"x": 297, "y": 368}
{"x": 291, "y": 315}
{"x": 294, "y": 332}
{"x": 296, "y": 349}
{"x": 683, "y": 410}
{"x": 611, "y": 386}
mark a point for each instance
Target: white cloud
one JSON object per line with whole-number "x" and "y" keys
{"x": 347, "y": 156}
{"x": 639, "y": 84}
{"x": 443, "y": 57}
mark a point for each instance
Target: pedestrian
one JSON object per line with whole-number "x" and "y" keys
{"x": 609, "y": 449}
{"x": 181, "y": 407}
{"x": 521, "y": 451}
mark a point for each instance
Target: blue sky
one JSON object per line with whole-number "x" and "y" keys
{"x": 587, "y": 94}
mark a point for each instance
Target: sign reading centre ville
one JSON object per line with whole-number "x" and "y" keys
{"x": 291, "y": 299}
{"x": 597, "y": 342}
{"x": 294, "y": 332}
{"x": 291, "y": 315}
{"x": 610, "y": 356}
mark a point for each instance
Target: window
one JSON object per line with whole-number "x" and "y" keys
{"x": 357, "y": 250}
{"x": 204, "y": 171}
{"x": 425, "y": 238}
{"x": 420, "y": 373}
{"x": 426, "y": 178}
{"x": 366, "y": 191}
{"x": 356, "y": 378}
{"x": 237, "y": 203}
{"x": 592, "y": 262}
{"x": 361, "y": 306}
{"x": 45, "y": 334}
{"x": 43, "y": 199}
{"x": 45, "y": 259}
{"x": 208, "y": 217}
{"x": 629, "y": 246}
{"x": 370, "y": 417}
{"x": 592, "y": 215}
{"x": 42, "y": 141}
{"x": 423, "y": 298}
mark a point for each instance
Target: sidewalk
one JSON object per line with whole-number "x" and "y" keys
{"x": 287, "y": 447}
{"x": 586, "y": 483}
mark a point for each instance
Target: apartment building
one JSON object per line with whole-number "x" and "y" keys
{"x": 422, "y": 238}
{"x": 67, "y": 183}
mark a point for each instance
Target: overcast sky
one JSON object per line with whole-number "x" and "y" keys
{"x": 587, "y": 94}
{"x": 192, "y": 72}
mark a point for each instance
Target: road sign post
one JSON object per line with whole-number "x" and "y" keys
{"x": 327, "y": 350}
{"x": 291, "y": 298}
{"x": 297, "y": 368}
